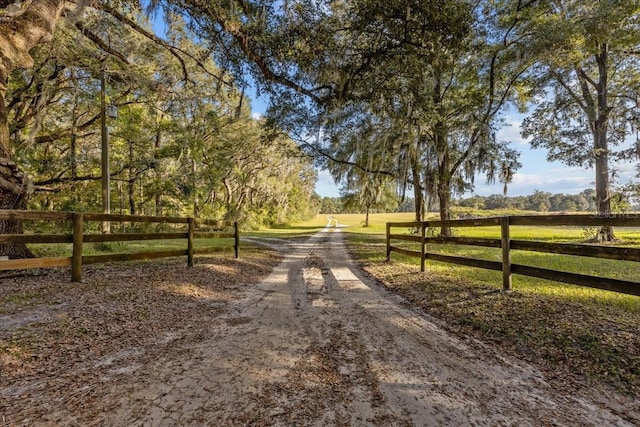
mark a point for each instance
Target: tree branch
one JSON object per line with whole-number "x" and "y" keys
{"x": 175, "y": 51}
{"x": 346, "y": 162}
{"x": 100, "y": 43}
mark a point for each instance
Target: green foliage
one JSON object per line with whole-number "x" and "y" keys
{"x": 184, "y": 142}
{"x": 416, "y": 100}
{"x": 410, "y": 92}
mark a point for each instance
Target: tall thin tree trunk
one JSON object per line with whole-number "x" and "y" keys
{"x": 366, "y": 218}
{"x": 601, "y": 145}
{"x": 418, "y": 195}
{"x": 131, "y": 182}
{"x": 73, "y": 155}
{"x": 104, "y": 156}
{"x": 158, "y": 171}
{"x": 120, "y": 198}
{"x": 132, "y": 199}
{"x": 194, "y": 182}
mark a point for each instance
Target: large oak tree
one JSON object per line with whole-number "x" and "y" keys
{"x": 587, "y": 63}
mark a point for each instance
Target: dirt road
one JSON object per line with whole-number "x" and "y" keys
{"x": 315, "y": 344}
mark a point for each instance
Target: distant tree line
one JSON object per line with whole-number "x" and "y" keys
{"x": 543, "y": 201}
{"x": 627, "y": 198}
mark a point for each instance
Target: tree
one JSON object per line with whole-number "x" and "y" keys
{"x": 22, "y": 27}
{"x": 366, "y": 192}
{"x": 431, "y": 104}
{"x": 539, "y": 201}
{"x": 586, "y": 55}
{"x": 475, "y": 202}
{"x": 495, "y": 201}
{"x": 330, "y": 205}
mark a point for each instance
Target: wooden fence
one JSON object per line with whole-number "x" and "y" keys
{"x": 508, "y": 245}
{"x": 195, "y": 228}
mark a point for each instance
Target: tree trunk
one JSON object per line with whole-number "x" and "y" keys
{"x": 104, "y": 156}
{"x": 366, "y": 217}
{"x": 120, "y": 189}
{"x": 14, "y": 189}
{"x": 444, "y": 193}
{"x": 196, "y": 202}
{"x": 441, "y": 145}
{"x": 18, "y": 36}
{"x": 603, "y": 195}
{"x": 131, "y": 181}
{"x": 444, "y": 179}
{"x": 132, "y": 199}
{"x": 5, "y": 140}
{"x": 418, "y": 196}
{"x": 601, "y": 145}
{"x": 158, "y": 172}
{"x": 73, "y": 155}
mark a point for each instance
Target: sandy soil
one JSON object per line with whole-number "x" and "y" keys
{"x": 315, "y": 344}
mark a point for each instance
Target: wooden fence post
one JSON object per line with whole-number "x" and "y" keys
{"x": 506, "y": 253}
{"x": 423, "y": 229}
{"x": 236, "y": 236}
{"x": 76, "y": 257}
{"x": 388, "y": 242}
{"x": 192, "y": 225}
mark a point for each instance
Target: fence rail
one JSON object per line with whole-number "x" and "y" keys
{"x": 508, "y": 245}
{"x": 78, "y": 237}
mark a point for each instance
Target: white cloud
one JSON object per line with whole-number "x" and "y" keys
{"x": 566, "y": 180}
{"x": 511, "y": 133}
{"x": 325, "y": 186}
{"x": 256, "y": 116}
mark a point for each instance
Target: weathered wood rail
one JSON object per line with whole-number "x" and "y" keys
{"x": 194, "y": 230}
{"x": 508, "y": 245}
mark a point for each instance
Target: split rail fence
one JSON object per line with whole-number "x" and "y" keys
{"x": 195, "y": 228}
{"x": 508, "y": 245}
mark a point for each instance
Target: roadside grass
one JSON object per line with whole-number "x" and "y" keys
{"x": 578, "y": 335}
